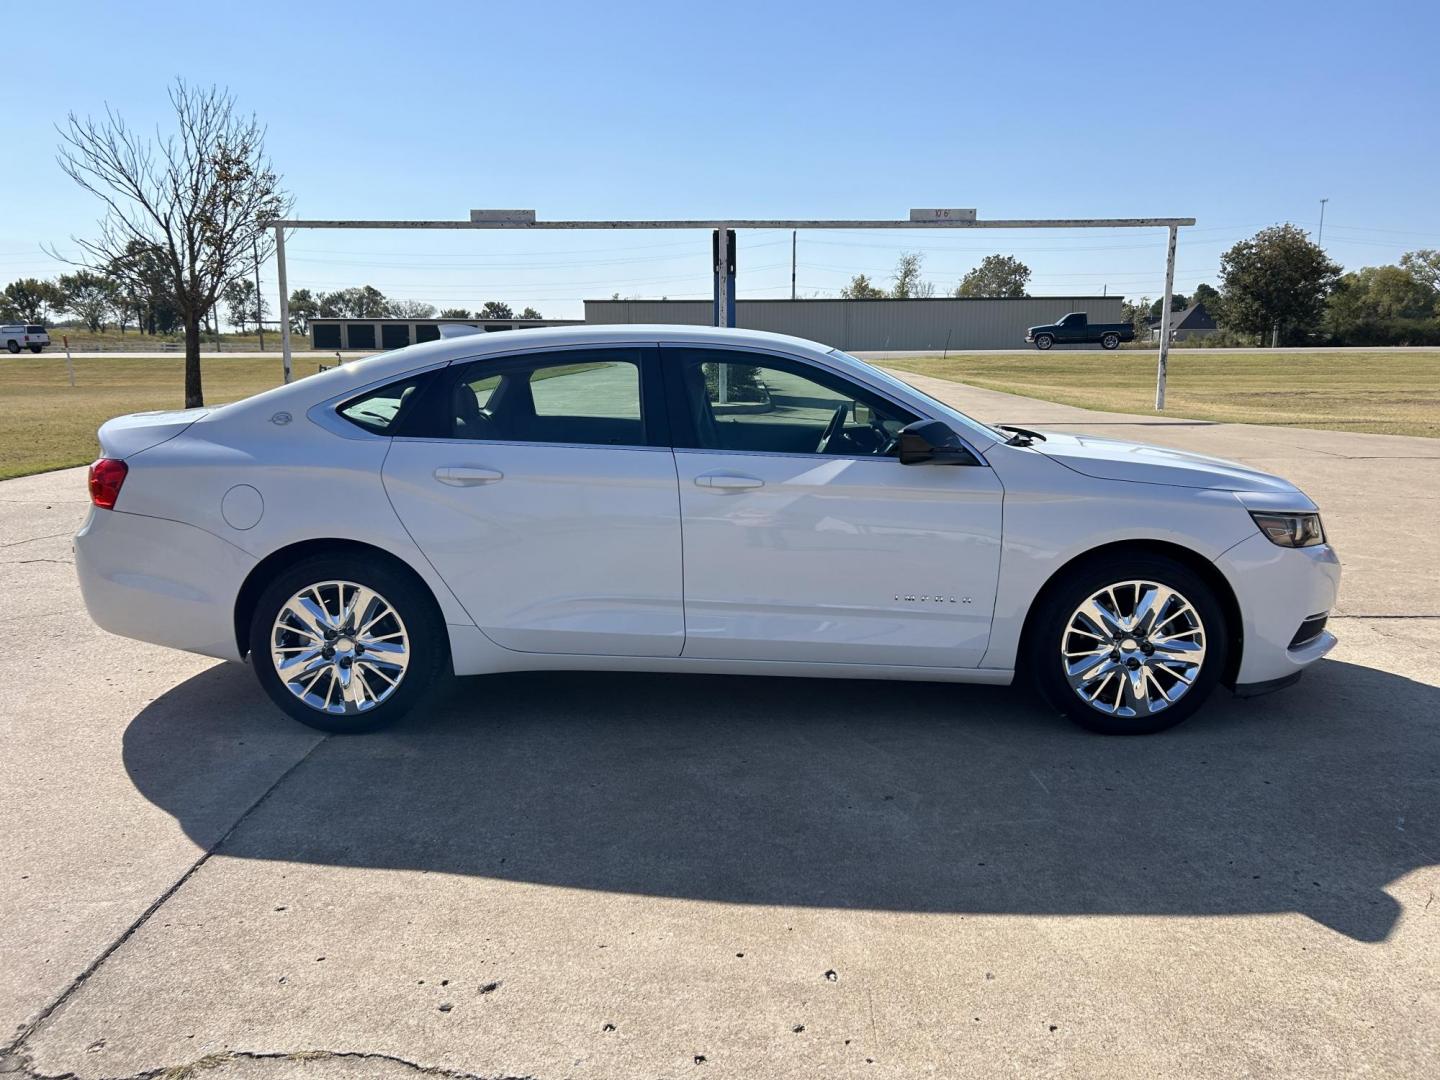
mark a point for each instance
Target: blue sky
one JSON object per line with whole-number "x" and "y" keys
{"x": 1240, "y": 115}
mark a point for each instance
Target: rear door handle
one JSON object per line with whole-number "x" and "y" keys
{"x": 729, "y": 481}
{"x": 467, "y": 475}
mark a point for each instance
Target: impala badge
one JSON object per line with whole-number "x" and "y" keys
{"x": 912, "y": 598}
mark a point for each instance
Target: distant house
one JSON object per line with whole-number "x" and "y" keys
{"x": 1194, "y": 321}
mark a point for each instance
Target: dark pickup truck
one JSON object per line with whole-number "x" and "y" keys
{"x": 1076, "y": 329}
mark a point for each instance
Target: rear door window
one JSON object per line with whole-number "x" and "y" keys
{"x": 583, "y": 397}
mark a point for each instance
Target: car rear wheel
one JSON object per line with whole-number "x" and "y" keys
{"x": 1128, "y": 645}
{"x": 346, "y": 644}
{"x": 1110, "y": 341}
{"x": 1043, "y": 341}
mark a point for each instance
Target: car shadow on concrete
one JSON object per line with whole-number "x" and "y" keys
{"x": 896, "y": 796}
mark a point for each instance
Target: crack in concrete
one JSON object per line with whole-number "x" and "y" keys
{"x": 12, "y": 1056}
{"x": 34, "y": 539}
{"x": 219, "y": 1061}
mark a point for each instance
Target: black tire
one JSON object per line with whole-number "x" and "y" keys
{"x": 1048, "y": 634}
{"x": 1110, "y": 341}
{"x": 1043, "y": 341}
{"x": 36, "y": 348}
{"x": 423, "y": 626}
{"x": 13, "y": 346}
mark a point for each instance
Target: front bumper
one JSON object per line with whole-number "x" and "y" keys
{"x": 1278, "y": 589}
{"x": 161, "y": 581}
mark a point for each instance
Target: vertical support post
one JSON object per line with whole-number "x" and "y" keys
{"x": 1165, "y": 322}
{"x": 793, "y": 234}
{"x": 284, "y": 300}
{"x": 722, "y": 245}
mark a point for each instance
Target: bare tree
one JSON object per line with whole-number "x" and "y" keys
{"x": 197, "y": 197}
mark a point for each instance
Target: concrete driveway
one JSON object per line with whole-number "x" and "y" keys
{"x": 638, "y": 876}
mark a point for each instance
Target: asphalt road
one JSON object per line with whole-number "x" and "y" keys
{"x": 640, "y": 876}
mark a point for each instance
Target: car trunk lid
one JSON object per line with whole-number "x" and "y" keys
{"x": 126, "y": 436}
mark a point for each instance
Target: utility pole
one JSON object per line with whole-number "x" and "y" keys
{"x": 793, "y": 234}
{"x": 1164, "y": 361}
{"x": 284, "y": 301}
{"x": 1320, "y": 236}
{"x": 259, "y": 304}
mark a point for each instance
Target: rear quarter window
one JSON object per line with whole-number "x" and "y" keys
{"x": 379, "y": 411}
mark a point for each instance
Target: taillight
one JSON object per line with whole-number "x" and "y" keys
{"x": 106, "y": 477}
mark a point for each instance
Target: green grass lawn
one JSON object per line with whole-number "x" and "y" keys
{"x": 1392, "y": 393}
{"x": 46, "y": 424}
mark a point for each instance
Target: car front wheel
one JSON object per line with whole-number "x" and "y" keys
{"x": 1128, "y": 645}
{"x": 345, "y": 644}
{"x": 13, "y": 346}
{"x": 1043, "y": 341}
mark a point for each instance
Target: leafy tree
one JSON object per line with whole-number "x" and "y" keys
{"x": 1210, "y": 297}
{"x": 1423, "y": 266}
{"x": 860, "y": 288}
{"x": 456, "y": 313}
{"x": 303, "y": 307}
{"x": 1382, "y": 305}
{"x": 411, "y": 309}
{"x": 89, "y": 297}
{"x": 908, "y": 284}
{"x": 531, "y": 313}
{"x": 146, "y": 287}
{"x": 1276, "y": 281}
{"x": 1177, "y": 303}
{"x": 997, "y": 275}
{"x": 1137, "y": 315}
{"x": 357, "y": 302}
{"x": 243, "y": 304}
{"x": 28, "y": 299}
{"x": 496, "y": 309}
{"x": 199, "y": 197}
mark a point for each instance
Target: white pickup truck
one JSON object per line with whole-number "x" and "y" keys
{"x": 17, "y": 336}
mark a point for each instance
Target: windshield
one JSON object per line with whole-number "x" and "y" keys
{"x": 974, "y": 428}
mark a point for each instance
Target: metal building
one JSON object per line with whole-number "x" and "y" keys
{"x": 372, "y": 334}
{"x": 875, "y": 325}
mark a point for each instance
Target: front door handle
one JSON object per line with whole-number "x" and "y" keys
{"x": 467, "y": 475}
{"x": 729, "y": 481}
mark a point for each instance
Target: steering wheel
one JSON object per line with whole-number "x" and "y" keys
{"x": 833, "y": 429}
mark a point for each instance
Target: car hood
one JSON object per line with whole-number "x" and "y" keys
{"x": 1110, "y": 459}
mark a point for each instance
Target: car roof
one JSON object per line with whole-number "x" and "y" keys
{"x": 383, "y": 366}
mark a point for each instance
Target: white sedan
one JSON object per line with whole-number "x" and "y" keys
{"x": 664, "y": 498}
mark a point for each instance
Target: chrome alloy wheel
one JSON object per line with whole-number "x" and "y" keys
{"x": 1133, "y": 648}
{"x": 339, "y": 647}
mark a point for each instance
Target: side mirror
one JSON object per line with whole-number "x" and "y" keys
{"x": 931, "y": 442}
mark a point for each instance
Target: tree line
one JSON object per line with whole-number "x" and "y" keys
{"x": 98, "y": 301}
{"x": 1276, "y": 287}
{"x": 997, "y": 275}
{"x": 368, "y": 302}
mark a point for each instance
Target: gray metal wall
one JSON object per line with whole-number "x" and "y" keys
{"x": 874, "y": 325}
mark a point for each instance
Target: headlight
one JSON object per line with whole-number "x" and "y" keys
{"x": 1290, "y": 530}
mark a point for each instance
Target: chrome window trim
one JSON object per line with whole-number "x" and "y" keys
{"x": 427, "y": 439}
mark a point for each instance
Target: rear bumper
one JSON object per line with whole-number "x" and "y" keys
{"x": 161, "y": 581}
{"x": 1278, "y": 589}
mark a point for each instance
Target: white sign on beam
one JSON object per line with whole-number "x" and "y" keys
{"x": 943, "y": 216}
{"x": 522, "y": 217}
